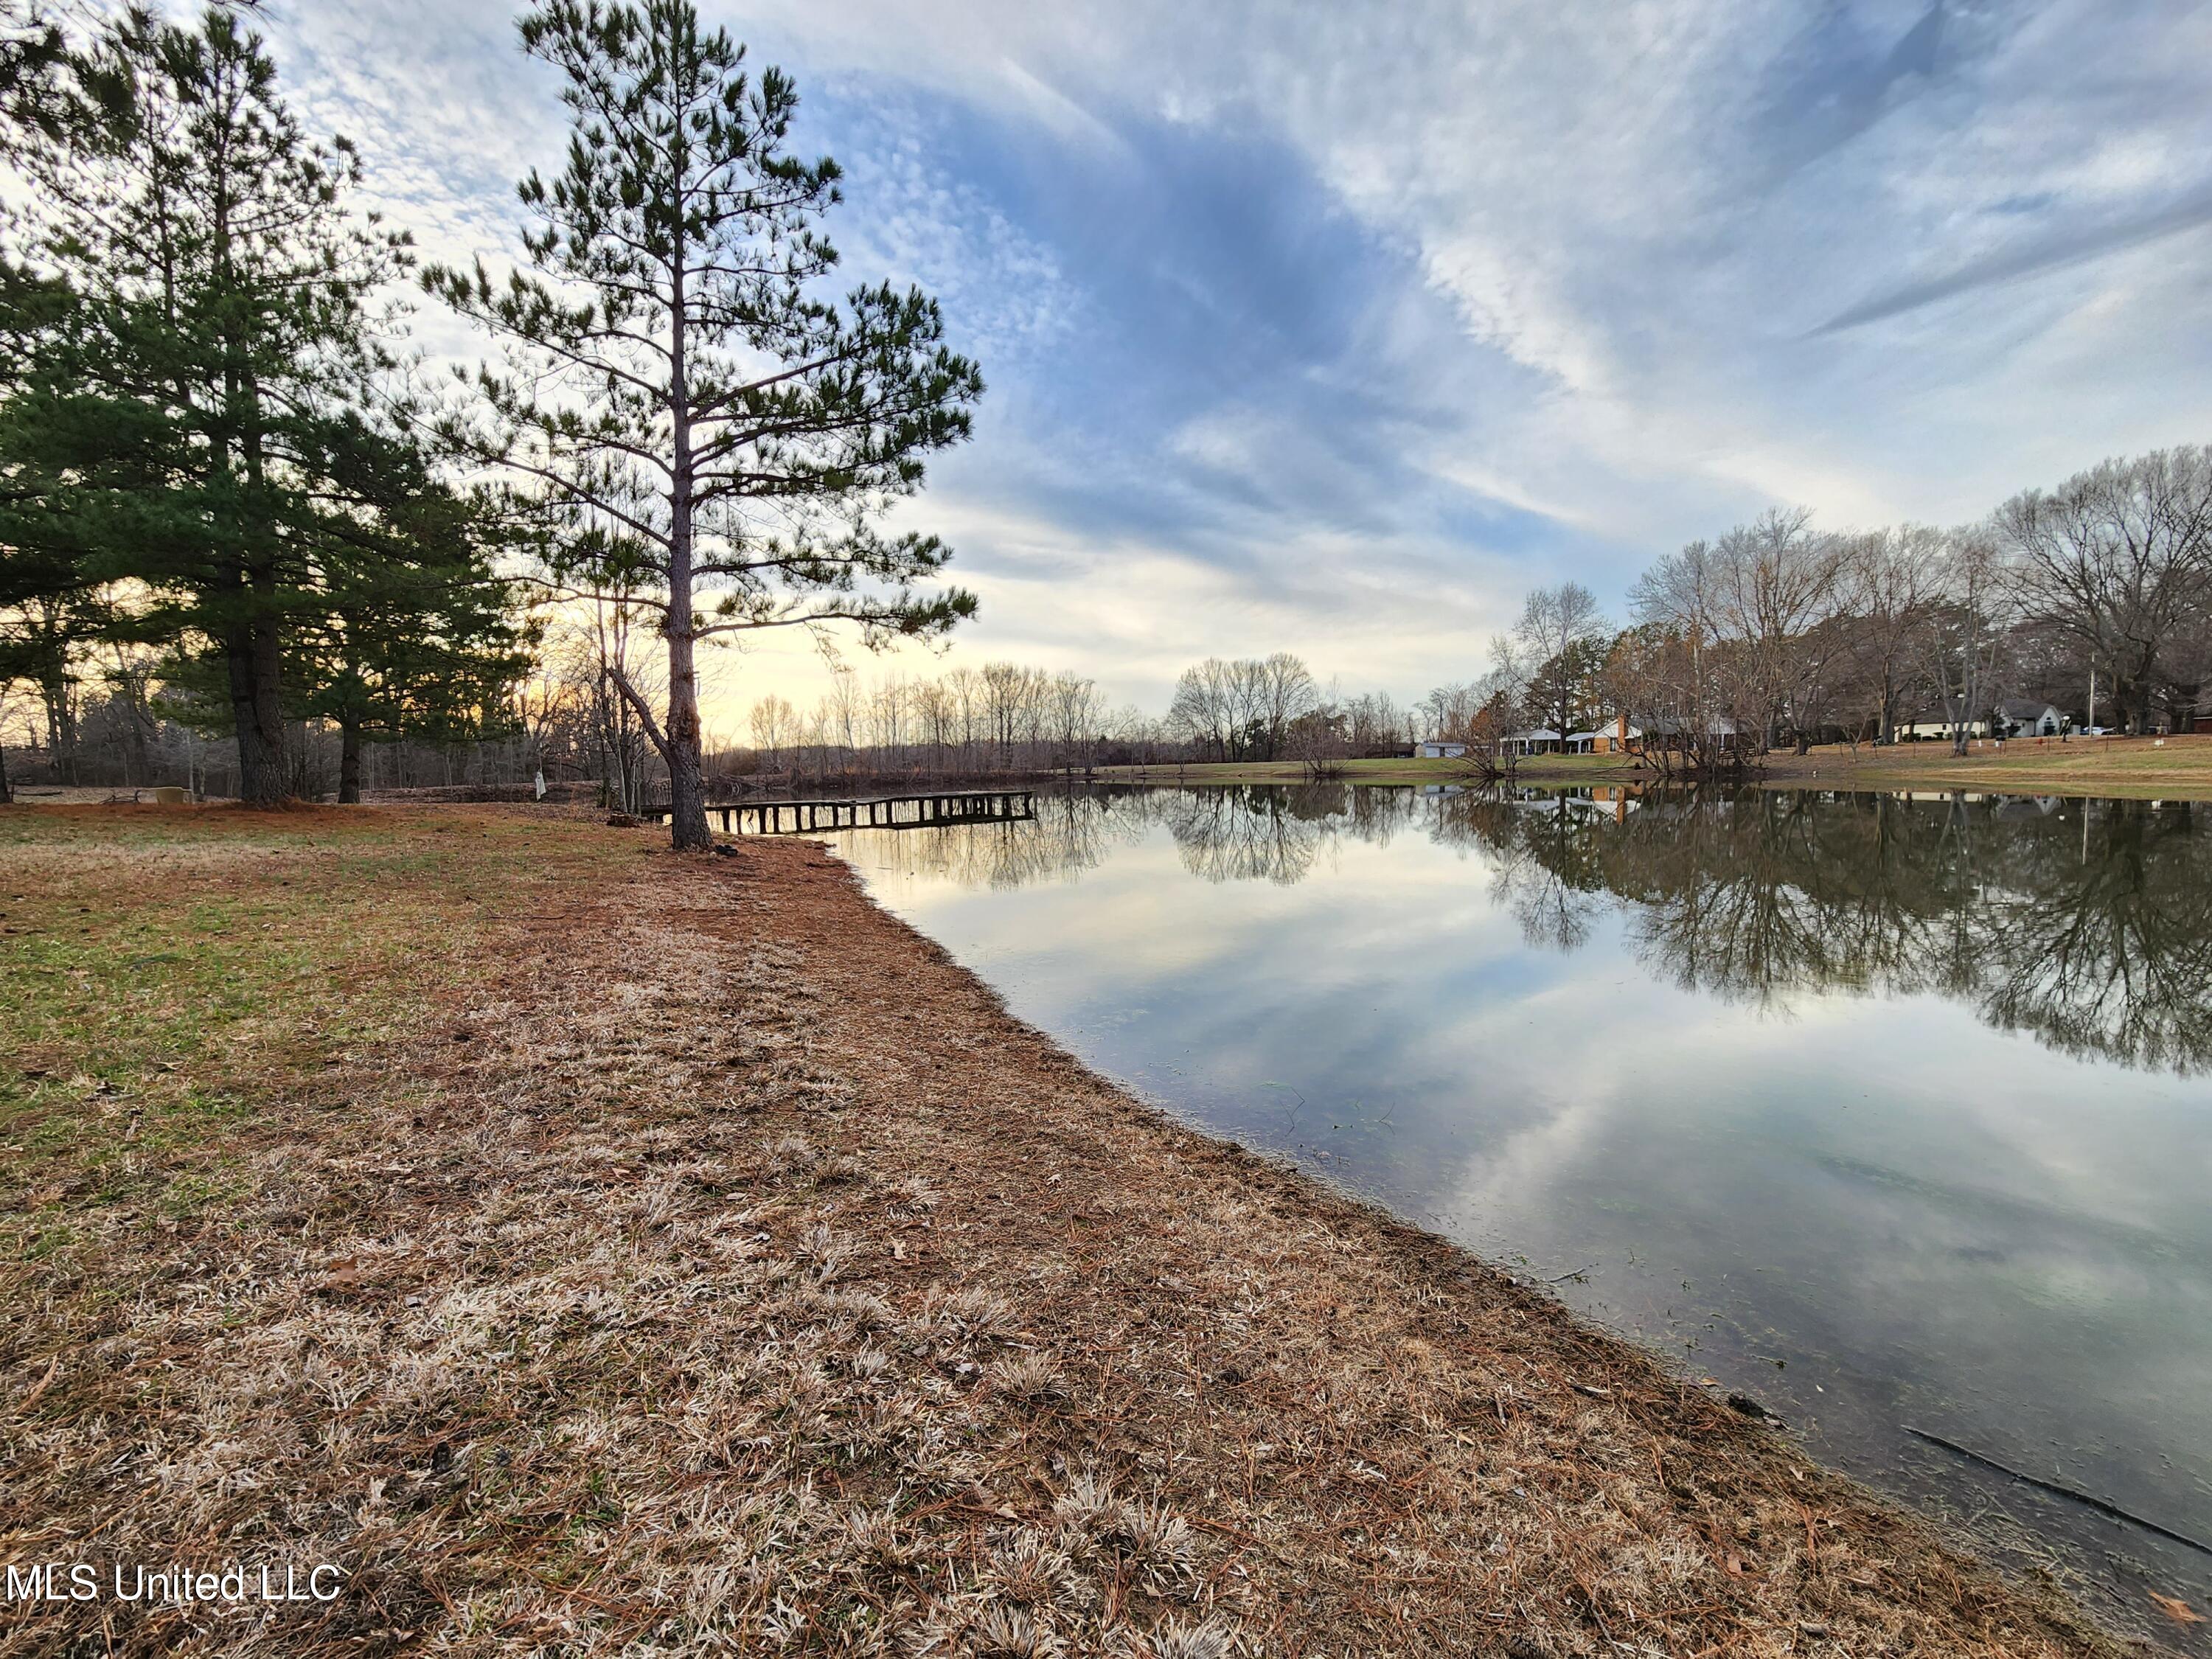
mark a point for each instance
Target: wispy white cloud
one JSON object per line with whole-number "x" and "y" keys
{"x": 1333, "y": 327}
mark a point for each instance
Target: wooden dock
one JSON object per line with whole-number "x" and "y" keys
{"x": 809, "y": 817}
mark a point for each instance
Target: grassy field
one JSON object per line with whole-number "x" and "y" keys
{"x": 590, "y": 1250}
{"x": 173, "y": 973}
{"x": 2178, "y": 769}
{"x": 2173, "y": 768}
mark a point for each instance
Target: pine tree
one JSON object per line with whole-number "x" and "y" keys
{"x": 705, "y": 428}
{"x": 417, "y": 635}
{"x": 34, "y": 56}
{"x": 50, "y": 613}
{"x": 186, "y": 410}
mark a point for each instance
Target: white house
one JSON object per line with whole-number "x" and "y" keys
{"x": 1438, "y": 748}
{"x": 2015, "y": 717}
{"x": 2024, "y": 718}
{"x": 1543, "y": 740}
{"x": 1932, "y": 723}
{"x": 1536, "y": 740}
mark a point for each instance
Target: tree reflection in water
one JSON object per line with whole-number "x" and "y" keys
{"x": 1264, "y": 833}
{"x": 2087, "y": 925}
{"x": 1258, "y": 832}
{"x": 2089, "y": 932}
{"x": 1070, "y": 834}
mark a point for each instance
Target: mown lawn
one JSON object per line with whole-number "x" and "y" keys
{"x": 2141, "y": 769}
{"x": 169, "y": 970}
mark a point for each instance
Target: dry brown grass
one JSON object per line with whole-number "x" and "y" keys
{"x": 2138, "y": 769}
{"x": 697, "y": 1262}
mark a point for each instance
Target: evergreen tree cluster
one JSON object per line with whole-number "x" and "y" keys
{"x": 205, "y": 446}
{"x": 212, "y": 448}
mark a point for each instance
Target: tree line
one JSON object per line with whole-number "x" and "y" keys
{"x": 1273, "y": 709}
{"x": 998, "y": 718}
{"x": 227, "y": 497}
{"x": 1781, "y": 634}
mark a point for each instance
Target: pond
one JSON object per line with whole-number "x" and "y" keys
{"x": 1892, "y": 1112}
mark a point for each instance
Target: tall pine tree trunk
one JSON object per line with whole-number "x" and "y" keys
{"x": 61, "y": 727}
{"x": 687, "y": 792}
{"x": 687, "y": 788}
{"x": 255, "y": 680}
{"x": 349, "y": 762}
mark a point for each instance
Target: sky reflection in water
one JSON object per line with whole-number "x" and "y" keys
{"x": 1891, "y": 1111}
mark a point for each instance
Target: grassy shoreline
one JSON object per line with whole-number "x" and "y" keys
{"x": 2174, "y": 768}
{"x": 594, "y": 1248}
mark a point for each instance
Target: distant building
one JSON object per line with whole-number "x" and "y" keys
{"x": 1931, "y": 724}
{"x": 1622, "y": 734}
{"x": 1438, "y": 748}
{"x": 2020, "y": 717}
{"x": 1641, "y": 733}
{"x": 1615, "y": 737}
{"x": 2015, "y": 717}
{"x": 1535, "y": 740}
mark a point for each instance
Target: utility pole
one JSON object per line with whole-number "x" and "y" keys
{"x": 2093, "y": 696}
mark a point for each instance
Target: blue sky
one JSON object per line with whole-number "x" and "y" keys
{"x": 1335, "y": 328}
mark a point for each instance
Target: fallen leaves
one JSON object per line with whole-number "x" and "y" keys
{"x": 341, "y": 1275}
{"x": 2176, "y": 1609}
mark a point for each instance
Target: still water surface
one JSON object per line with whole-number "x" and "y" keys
{"x": 1888, "y": 1111}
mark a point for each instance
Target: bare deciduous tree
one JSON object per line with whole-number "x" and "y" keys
{"x": 1375, "y": 721}
{"x": 1561, "y": 635}
{"x": 1889, "y": 580}
{"x": 1243, "y": 710}
{"x": 1778, "y": 586}
{"x": 773, "y": 722}
{"x": 1965, "y": 632}
{"x": 2118, "y": 557}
